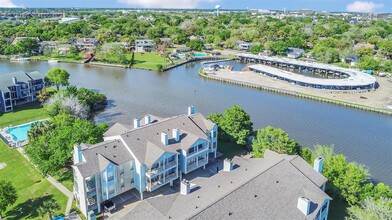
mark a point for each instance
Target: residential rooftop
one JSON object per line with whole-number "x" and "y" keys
{"x": 266, "y": 188}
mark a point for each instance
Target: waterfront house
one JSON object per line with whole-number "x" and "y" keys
{"x": 169, "y": 164}
{"x": 244, "y": 45}
{"x": 145, "y": 45}
{"x": 19, "y": 88}
{"x": 63, "y": 49}
{"x": 351, "y": 59}
{"x": 197, "y": 37}
{"x": 47, "y": 44}
{"x": 86, "y": 43}
{"x": 182, "y": 50}
{"x": 295, "y": 53}
{"x": 145, "y": 156}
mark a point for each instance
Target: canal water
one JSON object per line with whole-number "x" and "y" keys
{"x": 363, "y": 137}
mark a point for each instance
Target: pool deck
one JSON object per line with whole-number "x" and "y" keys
{"x": 9, "y": 139}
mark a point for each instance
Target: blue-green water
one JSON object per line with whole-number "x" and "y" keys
{"x": 19, "y": 133}
{"x": 364, "y": 137}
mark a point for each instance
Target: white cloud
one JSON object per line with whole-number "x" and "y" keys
{"x": 363, "y": 6}
{"x": 164, "y": 3}
{"x": 7, "y": 4}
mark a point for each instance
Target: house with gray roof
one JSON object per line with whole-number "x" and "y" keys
{"x": 144, "y": 45}
{"x": 145, "y": 156}
{"x": 19, "y": 88}
{"x": 86, "y": 43}
{"x": 295, "y": 53}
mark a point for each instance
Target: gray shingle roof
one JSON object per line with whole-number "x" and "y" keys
{"x": 301, "y": 165}
{"x": 99, "y": 155}
{"x": 145, "y": 140}
{"x": 266, "y": 188}
{"x": 6, "y": 79}
{"x": 35, "y": 75}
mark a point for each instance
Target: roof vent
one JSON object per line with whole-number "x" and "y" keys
{"x": 185, "y": 187}
{"x": 164, "y": 138}
{"x": 176, "y": 134}
{"x": 304, "y": 205}
{"x": 14, "y": 80}
{"x": 318, "y": 164}
{"x": 147, "y": 119}
{"x": 136, "y": 123}
{"x": 191, "y": 110}
{"x": 227, "y": 165}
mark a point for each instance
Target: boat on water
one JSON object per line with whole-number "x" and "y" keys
{"x": 53, "y": 61}
{"x": 19, "y": 59}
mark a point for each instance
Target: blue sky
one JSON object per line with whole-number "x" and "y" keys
{"x": 328, "y": 5}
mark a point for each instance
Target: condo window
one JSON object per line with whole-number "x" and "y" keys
{"x": 191, "y": 150}
{"x": 111, "y": 190}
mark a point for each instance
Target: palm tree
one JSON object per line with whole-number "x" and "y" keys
{"x": 48, "y": 207}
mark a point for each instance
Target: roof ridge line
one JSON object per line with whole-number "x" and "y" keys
{"x": 224, "y": 196}
{"x": 301, "y": 171}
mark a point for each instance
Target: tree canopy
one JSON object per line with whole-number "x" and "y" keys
{"x": 196, "y": 44}
{"x": 8, "y": 195}
{"x": 58, "y": 77}
{"x": 274, "y": 139}
{"x": 235, "y": 124}
{"x": 51, "y": 149}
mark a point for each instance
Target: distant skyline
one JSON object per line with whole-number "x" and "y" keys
{"x": 317, "y": 5}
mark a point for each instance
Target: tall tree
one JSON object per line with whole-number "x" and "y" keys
{"x": 57, "y": 77}
{"x": 236, "y": 124}
{"x": 274, "y": 139}
{"x": 48, "y": 207}
{"x": 8, "y": 196}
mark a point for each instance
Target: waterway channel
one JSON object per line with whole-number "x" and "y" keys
{"x": 363, "y": 137}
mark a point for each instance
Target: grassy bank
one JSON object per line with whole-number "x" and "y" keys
{"x": 147, "y": 60}
{"x": 31, "y": 186}
{"x": 71, "y": 59}
{"x": 23, "y": 114}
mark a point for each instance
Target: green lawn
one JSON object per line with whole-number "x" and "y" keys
{"x": 22, "y": 114}
{"x": 229, "y": 150}
{"x": 77, "y": 58}
{"x": 31, "y": 186}
{"x": 65, "y": 177}
{"x": 148, "y": 60}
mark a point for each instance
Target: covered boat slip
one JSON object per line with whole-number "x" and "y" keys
{"x": 349, "y": 79}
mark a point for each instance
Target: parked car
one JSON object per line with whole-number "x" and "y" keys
{"x": 109, "y": 206}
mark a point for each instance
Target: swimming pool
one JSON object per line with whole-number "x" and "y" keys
{"x": 199, "y": 54}
{"x": 19, "y": 133}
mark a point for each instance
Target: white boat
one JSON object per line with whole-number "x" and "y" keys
{"x": 19, "y": 59}
{"x": 53, "y": 61}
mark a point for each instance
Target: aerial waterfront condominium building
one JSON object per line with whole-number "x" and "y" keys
{"x": 19, "y": 88}
{"x": 147, "y": 155}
